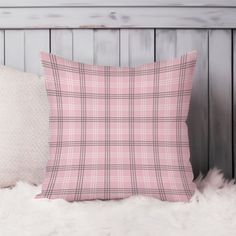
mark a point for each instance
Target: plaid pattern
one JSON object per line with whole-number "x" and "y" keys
{"x": 117, "y": 132}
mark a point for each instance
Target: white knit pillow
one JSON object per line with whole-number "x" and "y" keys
{"x": 24, "y": 116}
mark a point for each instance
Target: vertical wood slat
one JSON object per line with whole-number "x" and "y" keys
{"x": 234, "y": 102}
{"x": 23, "y": 47}
{"x": 35, "y": 42}
{"x": 2, "y": 50}
{"x": 136, "y": 46}
{"x": 77, "y": 44}
{"x": 14, "y": 49}
{"x": 198, "y": 111}
{"x": 62, "y": 43}
{"x": 83, "y": 45}
{"x": 220, "y": 95}
{"x": 106, "y": 47}
{"x": 171, "y": 43}
{"x": 93, "y": 46}
{"x": 166, "y": 44}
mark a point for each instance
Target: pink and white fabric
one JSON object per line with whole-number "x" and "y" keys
{"x": 117, "y": 131}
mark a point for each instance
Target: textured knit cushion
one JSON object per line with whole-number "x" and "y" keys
{"x": 117, "y": 132}
{"x": 24, "y": 115}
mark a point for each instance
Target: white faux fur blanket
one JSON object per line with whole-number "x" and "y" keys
{"x": 211, "y": 212}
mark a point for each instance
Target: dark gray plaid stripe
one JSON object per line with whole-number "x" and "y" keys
{"x": 115, "y": 72}
{"x": 119, "y": 96}
{"x": 120, "y": 167}
{"x": 100, "y": 191}
{"x": 118, "y": 119}
{"x": 155, "y": 132}
{"x": 131, "y": 133}
{"x": 53, "y": 178}
{"x": 83, "y": 120}
{"x": 120, "y": 143}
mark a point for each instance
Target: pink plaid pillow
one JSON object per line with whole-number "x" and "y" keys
{"x": 117, "y": 132}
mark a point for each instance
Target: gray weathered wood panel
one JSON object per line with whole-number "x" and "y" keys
{"x": 234, "y": 103}
{"x": 94, "y": 3}
{"x": 23, "y": 47}
{"x": 137, "y": 46}
{"x": 83, "y": 45}
{"x": 76, "y": 44}
{"x": 198, "y": 112}
{"x": 15, "y": 49}
{"x": 106, "y": 47}
{"x": 118, "y": 17}
{"x": 62, "y": 43}
{"x": 220, "y": 98}
{"x": 166, "y": 44}
{"x": 35, "y": 42}
{"x": 171, "y": 43}
{"x": 2, "y": 49}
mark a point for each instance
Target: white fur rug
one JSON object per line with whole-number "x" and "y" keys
{"x": 211, "y": 212}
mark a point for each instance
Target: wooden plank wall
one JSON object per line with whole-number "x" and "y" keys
{"x": 117, "y": 17}
{"x": 132, "y": 3}
{"x": 220, "y": 102}
{"x": 212, "y": 114}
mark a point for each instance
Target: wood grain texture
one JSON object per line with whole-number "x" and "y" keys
{"x": 15, "y": 49}
{"x": 118, "y": 17}
{"x": 220, "y": 95}
{"x": 2, "y": 49}
{"x": 171, "y": 43}
{"x": 35, "y": 42}
{"x": 106, "y": 47}
{"x": 65, "y": 3}
{"x": 234, "y": 103}
{"x": 137, "y": 47}
{"x": 62, "y": 43}
{"x": 83, "y": 45}
{"x": 198, "y": 111}
{"x": 23, "y": 47}
{"x": 166, "y": 44}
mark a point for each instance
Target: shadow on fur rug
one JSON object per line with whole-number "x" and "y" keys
{"x": 211, "y": 212}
